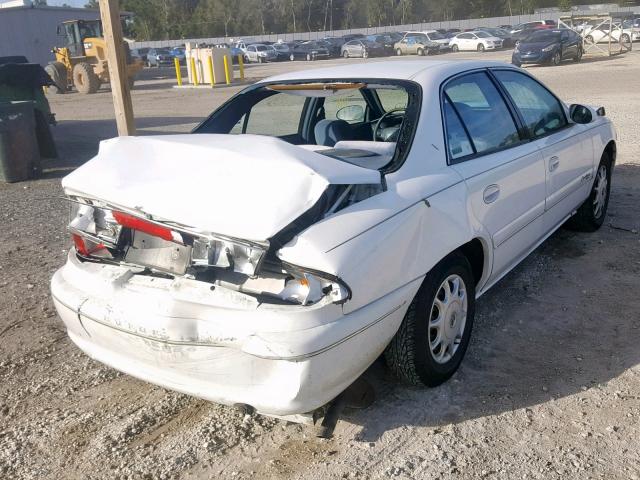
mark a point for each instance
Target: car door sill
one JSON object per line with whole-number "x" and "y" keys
{"x": 528, "y": 252}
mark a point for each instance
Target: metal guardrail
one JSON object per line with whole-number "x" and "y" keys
{"x": 461, "y": 24}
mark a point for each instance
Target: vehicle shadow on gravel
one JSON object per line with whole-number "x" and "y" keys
{"x": 77, "y": 140}
{"x": 560, "y": 323}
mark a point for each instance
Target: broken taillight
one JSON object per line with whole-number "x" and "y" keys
{"x": 150, "y": 228}
{"x": 86, "y": 247}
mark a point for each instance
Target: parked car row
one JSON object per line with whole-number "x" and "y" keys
{"x": 540, "y": 41}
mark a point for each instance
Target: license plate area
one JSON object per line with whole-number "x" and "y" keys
{"x": 158, "y": 254}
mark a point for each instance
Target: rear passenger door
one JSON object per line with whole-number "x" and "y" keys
{"x": 503, "y": 172}
{"x": 566, "y": 147}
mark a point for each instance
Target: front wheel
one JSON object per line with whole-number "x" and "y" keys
{"x": 421, "y": 52}
{"x": 365, "y": 54}
{"x": 292, "y": 57}
{"x": 454, "y": 48}
{"x": 578, "y": 56}
{"x": 590, "y": 215}
{"x": 481, "y": 47}
{"x": 398, "y": 52}
{"x": 434, "y": 335}
{"x": 556, "y": 59}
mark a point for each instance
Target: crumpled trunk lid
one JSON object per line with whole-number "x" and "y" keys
{"x": 243, "y": 186}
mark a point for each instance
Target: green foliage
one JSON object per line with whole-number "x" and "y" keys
{"x": 172, "y": 19}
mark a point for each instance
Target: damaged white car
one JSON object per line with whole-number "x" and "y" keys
{"x": 318, "y": 219}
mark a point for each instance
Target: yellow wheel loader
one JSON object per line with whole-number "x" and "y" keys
{"x": 81, "y": 61}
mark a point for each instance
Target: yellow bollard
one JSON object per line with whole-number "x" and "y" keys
{"x": 211, "y": 72}
{"x": 227, "y": 74}
{"x": 178, "y": 72}
{"x": 241, "y": 64}
{"x": 194, "y": 73}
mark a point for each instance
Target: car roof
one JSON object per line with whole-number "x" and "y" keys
{"x": 390, "y": 70}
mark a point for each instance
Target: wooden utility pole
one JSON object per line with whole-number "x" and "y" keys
{"x": 117, "y": 62}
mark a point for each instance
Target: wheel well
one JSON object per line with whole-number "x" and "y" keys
{"x": 612, "y": 150}
{"x": 474, "y": 252}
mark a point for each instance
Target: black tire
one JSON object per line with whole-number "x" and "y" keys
{"x": 517, "y": 64}
{"x": 292, "y": 57}
{"x": 409, "y": 355}
{"x": 625, "y": 39}
{"x": 556, "y": 59}
{"x": 420, "y": 52}
{"x": 399, "y": 52}
{"x": 481, "y": 47}
{"x": 84, "y": 78}
{"x": 578, "y": 56}
{"x": 345, "y": 54}
{"x": 589, "y": 39}
{"x": 454, "y": 48}
{"x": 586, "y": 219}
{"x": 58, "y": 73}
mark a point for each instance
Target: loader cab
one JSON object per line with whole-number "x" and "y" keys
{"x": 73, "y": 33}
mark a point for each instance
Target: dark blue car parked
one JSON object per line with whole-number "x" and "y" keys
{"x": 548, "y": 46}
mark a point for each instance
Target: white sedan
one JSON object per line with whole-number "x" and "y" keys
{"x": 320, "y": 219}
{"x": 476, "y": 41}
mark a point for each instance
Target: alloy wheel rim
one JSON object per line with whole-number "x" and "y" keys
{"x": 600, "y": 188}
{"x": 447, "y": 319}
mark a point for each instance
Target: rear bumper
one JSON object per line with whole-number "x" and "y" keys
{"x": 221, "y": 345}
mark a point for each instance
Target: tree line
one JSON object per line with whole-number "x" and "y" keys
{"x": 174, "y": 19}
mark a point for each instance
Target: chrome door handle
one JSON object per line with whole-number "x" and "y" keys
{"x": 491, "y": 194}
{"x": 553, "y": 163}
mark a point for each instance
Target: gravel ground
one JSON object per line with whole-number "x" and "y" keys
{"x": 550, "y": 387}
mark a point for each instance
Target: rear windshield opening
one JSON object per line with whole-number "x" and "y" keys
{"x": 369, "y": 123}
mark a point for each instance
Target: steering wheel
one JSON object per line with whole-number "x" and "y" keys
{"x": 390, "y": 113}
{"x": 541, "y": 126}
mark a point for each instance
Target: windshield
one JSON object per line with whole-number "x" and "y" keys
{"x": 162, "y": 51}
{"x": 261, "y": 48}
{"x": 542, "y": 36}
{"x": 281, "y": 46}
{"x": 482, "y": 34}
{"x": 436, "y": 36}
{"x": 322, "y": 114}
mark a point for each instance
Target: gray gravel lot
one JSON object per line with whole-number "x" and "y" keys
{"x": 550, "y": 387}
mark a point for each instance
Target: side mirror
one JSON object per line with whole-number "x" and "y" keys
{"x": 580, "y": 114}
{"x": 351, "y": 113}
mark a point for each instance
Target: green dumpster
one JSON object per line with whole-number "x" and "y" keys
{"x": 19, "y": 154}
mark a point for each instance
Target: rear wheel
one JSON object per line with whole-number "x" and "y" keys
{"x": 590, "y": 215}
{"x": 84, "y": 78}
{"x": 291, "y": 57}
{"x": 589, "y": 39}
{"x": 365, "y": 54}
{"x": 420, "y": 52}
{"x": 435, "y": 332}
{"x": 454, "y": 48}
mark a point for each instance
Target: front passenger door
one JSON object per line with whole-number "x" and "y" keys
{"x": 566, "y": 147}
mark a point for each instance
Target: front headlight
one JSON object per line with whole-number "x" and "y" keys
{"x": 550, "y": 48}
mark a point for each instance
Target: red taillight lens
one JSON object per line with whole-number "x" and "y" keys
{"x": 141, "y": 225}
{"x": 78, "y": 241}
{"x": 86, "y": 247}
